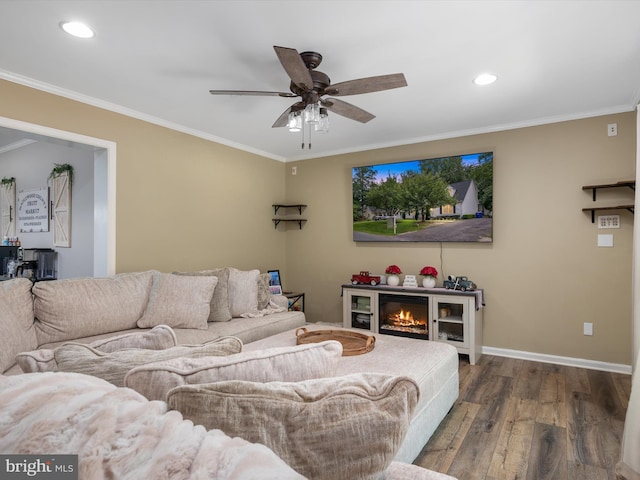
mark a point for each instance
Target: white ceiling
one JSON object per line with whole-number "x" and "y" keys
{"x": 157, "y": 59}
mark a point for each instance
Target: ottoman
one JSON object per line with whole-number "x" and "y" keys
{"x": 433, "y": 365}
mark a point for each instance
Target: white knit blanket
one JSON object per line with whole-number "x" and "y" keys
{"x": 119, "y": 434}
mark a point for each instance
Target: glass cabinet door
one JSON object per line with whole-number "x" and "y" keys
{"x": 450, "y": 321}
{"x": 360, "y": 310}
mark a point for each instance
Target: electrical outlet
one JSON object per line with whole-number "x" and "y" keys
{"x": 588, "y": 328}
{"x": 608, "y": 221}
{"x": 612, "y": 129}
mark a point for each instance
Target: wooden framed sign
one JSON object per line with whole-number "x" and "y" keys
{"x": 33, "y": 210}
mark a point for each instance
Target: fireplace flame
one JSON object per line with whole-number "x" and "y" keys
{"x": 405, "y": 319}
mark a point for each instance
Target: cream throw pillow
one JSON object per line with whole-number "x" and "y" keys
{"x": 179, "y": 301}
{"x": 220, "y": 301}
{"x": 243, "y": 291}
{"x": 158, "y": 338}
{"x": 346, "y": 427}
{"x": 112, "y": 367}
{"x": 81, "y": 307}
{"x": 289, "y": 364}
{"x": 17, "y": 328}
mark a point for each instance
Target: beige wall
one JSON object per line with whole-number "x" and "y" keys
{"x": 183, "y": 203}
{"x": 187, "y": 203}
{"x": 543, "y": 275}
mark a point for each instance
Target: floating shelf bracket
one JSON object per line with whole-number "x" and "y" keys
{"x": 629, "y": 208}
{"x": 299, "y": 221}
{"x": 279, "y": 206}
{"x": 626, "y": 183}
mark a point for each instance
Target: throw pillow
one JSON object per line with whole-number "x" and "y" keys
{"x": 243, "y": 291}
{"x": 112, "y": 367}
{"x": 263, "y": 291}
{"x": 17, "y": 328}
{"x": 158, "y": 338}
{"x": 340, "y": 427}
{"x": 179, "y": 301}
{"x": 82, "y": 307}
{"x": 289, "y": 364}
{"x": 220, "y": 301}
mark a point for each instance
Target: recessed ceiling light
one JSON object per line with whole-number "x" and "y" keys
{"x": 77, "y": 29}
{"x": 485, "y": 79}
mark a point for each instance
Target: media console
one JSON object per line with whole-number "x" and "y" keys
{"x": 436, "y": 314}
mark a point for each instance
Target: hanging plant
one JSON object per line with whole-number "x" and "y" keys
{"x": 7, "y": 182}
{"x": 59, "y": 169}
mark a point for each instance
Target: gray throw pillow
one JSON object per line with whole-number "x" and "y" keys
{"x": 341, "y": 427}
{"x": 219, "y": 308}
{"x": 112, "y": 367}
{"x": 179, "y": 301}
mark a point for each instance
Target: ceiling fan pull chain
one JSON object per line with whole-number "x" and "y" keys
{"x": 310, "y": 127}
{"x": 302, "y": 129}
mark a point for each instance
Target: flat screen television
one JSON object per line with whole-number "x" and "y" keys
{"x": 447, "y": 199}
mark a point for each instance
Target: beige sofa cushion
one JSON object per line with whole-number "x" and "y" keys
{"x": 158, "y": 338}
{"x": 81, "y": 307}
{"x": 179, "y": 301}
{"x": 17, "y": 328}
{"x": 112, "y": 367}
{"x": 243, "y": 291}
{"x": 290, "y": 364}
{"x": 341, "y": 427}
{"x": 220, "y": 301}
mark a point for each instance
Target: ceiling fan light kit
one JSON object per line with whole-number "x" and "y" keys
{"x": 311, "y": 86}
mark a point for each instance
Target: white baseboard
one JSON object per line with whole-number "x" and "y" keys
{"x": 558, "y": 360}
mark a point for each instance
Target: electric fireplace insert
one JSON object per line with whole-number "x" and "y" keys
{"x": 404, "y": 315}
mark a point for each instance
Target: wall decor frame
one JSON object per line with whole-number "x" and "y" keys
{"x": 33, "y": 210}
{"x": 445, "y": 199}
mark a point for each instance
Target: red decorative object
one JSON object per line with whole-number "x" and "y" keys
{"x": 393, "y": 270}
{"x": 365, "y": 277}
{"x": 429, "y": 272}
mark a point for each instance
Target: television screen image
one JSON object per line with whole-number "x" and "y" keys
{"x": 447, "y": 199}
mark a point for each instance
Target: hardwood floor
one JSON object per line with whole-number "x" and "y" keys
{"x": 523, "y": 420}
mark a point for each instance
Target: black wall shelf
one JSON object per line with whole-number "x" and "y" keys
{"x": 297, "y": 220}
{"x": 594, "y": 188}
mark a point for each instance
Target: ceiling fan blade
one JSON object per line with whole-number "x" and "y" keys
{"x": 252, "y": 92}
{"x": 367, "y": 85}
{"x": 347, "y": 110}
{"x": 295, "y": 67}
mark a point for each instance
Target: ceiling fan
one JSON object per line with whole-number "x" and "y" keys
{"x": 312, "y": 86}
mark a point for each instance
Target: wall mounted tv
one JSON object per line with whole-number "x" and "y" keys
{"x": 448, "y": 199}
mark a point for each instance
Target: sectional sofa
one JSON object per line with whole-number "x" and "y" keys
{"x": 67, "y": 333}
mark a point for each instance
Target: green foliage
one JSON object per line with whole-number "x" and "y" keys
{"x": 363, "y": 180}
{"x": 450, "y": 169}
{"x": 386, "y": 196}
{"x": 482, "y": 174}
{"x": 59, "y": 169}
{"x": 424, "y": 191}
{"x": 380, "y": 227}
{"x": 6, "y": 182}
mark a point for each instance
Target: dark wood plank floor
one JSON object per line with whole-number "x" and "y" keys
{"x": 522, "y": 420}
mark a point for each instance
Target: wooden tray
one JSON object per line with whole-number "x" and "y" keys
{"x": 353, "y": 343}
